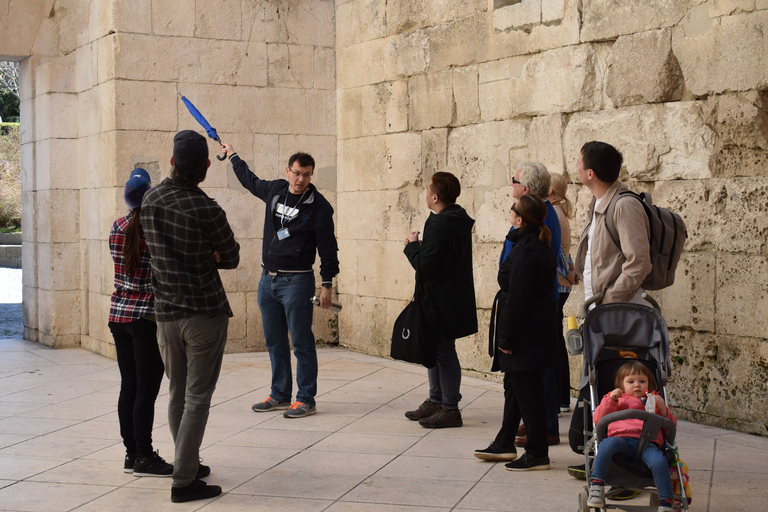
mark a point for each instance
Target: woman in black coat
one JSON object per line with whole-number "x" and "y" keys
{"x": 443, "y": 264}
{"x": 526, "y": 336}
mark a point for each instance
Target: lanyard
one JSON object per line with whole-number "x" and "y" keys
{"x": 285, "y": 207}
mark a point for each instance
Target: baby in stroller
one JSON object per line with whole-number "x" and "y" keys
{"x": 633, "y": 380}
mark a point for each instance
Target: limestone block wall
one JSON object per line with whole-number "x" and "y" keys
{"x": 681, "y": 88}
{"x": 99, "y": 98}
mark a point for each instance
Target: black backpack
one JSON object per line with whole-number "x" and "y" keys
{"x": 668, "y": 234}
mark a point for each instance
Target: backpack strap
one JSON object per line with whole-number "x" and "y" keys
{"x": 610, "y": 212}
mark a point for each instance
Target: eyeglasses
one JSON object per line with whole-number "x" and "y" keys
{"x": 306, "y": 175}
{"x": 515, "y": 182}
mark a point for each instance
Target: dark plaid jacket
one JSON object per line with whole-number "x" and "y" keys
{"x": 182, "y": 227}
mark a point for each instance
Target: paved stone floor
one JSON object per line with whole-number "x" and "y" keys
{"x": 60, "y": 449}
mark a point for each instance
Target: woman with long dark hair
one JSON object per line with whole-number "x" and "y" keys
{"x": 132, "y": 322}
{"x": 525, "y": 336}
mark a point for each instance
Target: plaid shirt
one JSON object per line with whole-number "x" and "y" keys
{"x": 183, "y": 226}
{"x": 133, "y": 296}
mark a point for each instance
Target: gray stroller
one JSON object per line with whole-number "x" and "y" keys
{"x": 612, "y": 335}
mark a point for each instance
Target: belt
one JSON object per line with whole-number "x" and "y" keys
{"x": 285, "y": 274}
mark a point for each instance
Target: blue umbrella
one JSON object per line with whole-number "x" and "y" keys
{"x": 203, "y": 122}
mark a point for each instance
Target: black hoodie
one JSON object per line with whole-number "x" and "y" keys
{"x": 443, "y": 263}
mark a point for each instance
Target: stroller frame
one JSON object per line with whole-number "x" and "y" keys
{"x": 654, "y": 354}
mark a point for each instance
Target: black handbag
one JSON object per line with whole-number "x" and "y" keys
{"x": 414, "y": 338}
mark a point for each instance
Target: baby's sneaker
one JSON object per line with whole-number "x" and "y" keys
{"x": 597, "y": 496}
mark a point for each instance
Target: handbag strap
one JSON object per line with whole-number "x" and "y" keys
{"x": 492, "y": 328}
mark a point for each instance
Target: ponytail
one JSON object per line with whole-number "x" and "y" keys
{"x": 545, "y": 235}
{"x": 132, "y": 245}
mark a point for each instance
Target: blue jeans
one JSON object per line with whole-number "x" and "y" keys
{"x": 653, "y": 457}
{"x": 285, "y": 306}
{"x": 445, "y": 376}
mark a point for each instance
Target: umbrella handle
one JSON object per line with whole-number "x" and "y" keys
{"x": 220, "y": 158}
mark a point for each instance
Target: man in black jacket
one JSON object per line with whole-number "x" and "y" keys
{"x": 298, "y": 222}
{"x": 443, "y": 264}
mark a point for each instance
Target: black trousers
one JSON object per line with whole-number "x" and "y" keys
{"x": 141, "y": 372}
{"x": 524, "y": 398}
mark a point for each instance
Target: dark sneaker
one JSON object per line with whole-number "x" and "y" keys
{"x": 579, "y": 472}
{"x": 621, "y": 494}
{"x": 154, "y": 465}
{"x": 129, "y": 462}
{"x": 443, "y": 418}
{"x": 528, "y": 463}
{"x": 425, "y": 410}
{"x": 203, "y": 471}
{"x": 495, "y": 453}
{"x": 197, "y": 490}
{"x": 299, "y": 410}
{"x": 270, "y": 404}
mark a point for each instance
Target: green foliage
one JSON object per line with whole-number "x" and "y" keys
{"x": 10, "y": 176}
{"x": 9, "y": 107}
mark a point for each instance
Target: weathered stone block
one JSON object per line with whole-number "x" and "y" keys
{"x": 492, "y": 220}
{"x": 385, "y": 211}
{"x": 544, "y": 89}
{"x": 145, "y": 106}
{"x": 58, "y": 216}
{"x": 222, "y": 20}
{"x": 310, "y": 23}
{"x": 29, "y": 311}
{"x": 431, "y": 101}
{"x": 466, "y": 96}
{"x": 169, "y": 20}
{"x": 59, "y": 315}
{"x": 719, "y": 378}
{"x": 742, "y": 293}
{"x": 110, "y": 17}
{"x": 741, "y": 124}
{"x": 385, "y": 108}
{"x": 475, "y": 151}
{"x": 245, "y": 212}
{"x": 607, "y": 19}
{"x": 545, "y": 141}
{"x": 485, "y": 260}
{"x": 56, "y": 167}
{"x": 730, "y": 7}
{"x": 363, "y": 69}
{"x": 324, "y": 65}
{"x": 365, "y": 323}
{"x": 434, "y": 152}
{"x": 321, "y": 112}
{"x": 459, "y": 43}
{"x": 349, "y": 113}
{"x": 552, "y": 10}
{"x": 346, "y": 281}
{"x": 690, "y": 302}
{"x": 290, "y": 65}
{"x": 644, "y": 70}
{"x": 410, "y": 54}
{"x": 406, "y": 15}
{"x": 709, "y": 208}
{"x": 517, "y": 16}
{"x": 659, "y": 142}
{"x": 722, "y": 58}
{"x": 53, "y": 114}
{"x": 386, "y": 272}
{"x": 255, "y": 337}
{"x": 391, "y": 161}
{"x": 58, "y": 75}
{"x": 361, "y": 20}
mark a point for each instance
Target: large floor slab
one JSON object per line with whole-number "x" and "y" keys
{"x": 60, "y": 448}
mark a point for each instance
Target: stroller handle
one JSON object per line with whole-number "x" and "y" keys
{"x": 592, "y": 300}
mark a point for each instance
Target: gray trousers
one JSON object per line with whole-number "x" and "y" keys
{"x": 192, "y": 349}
